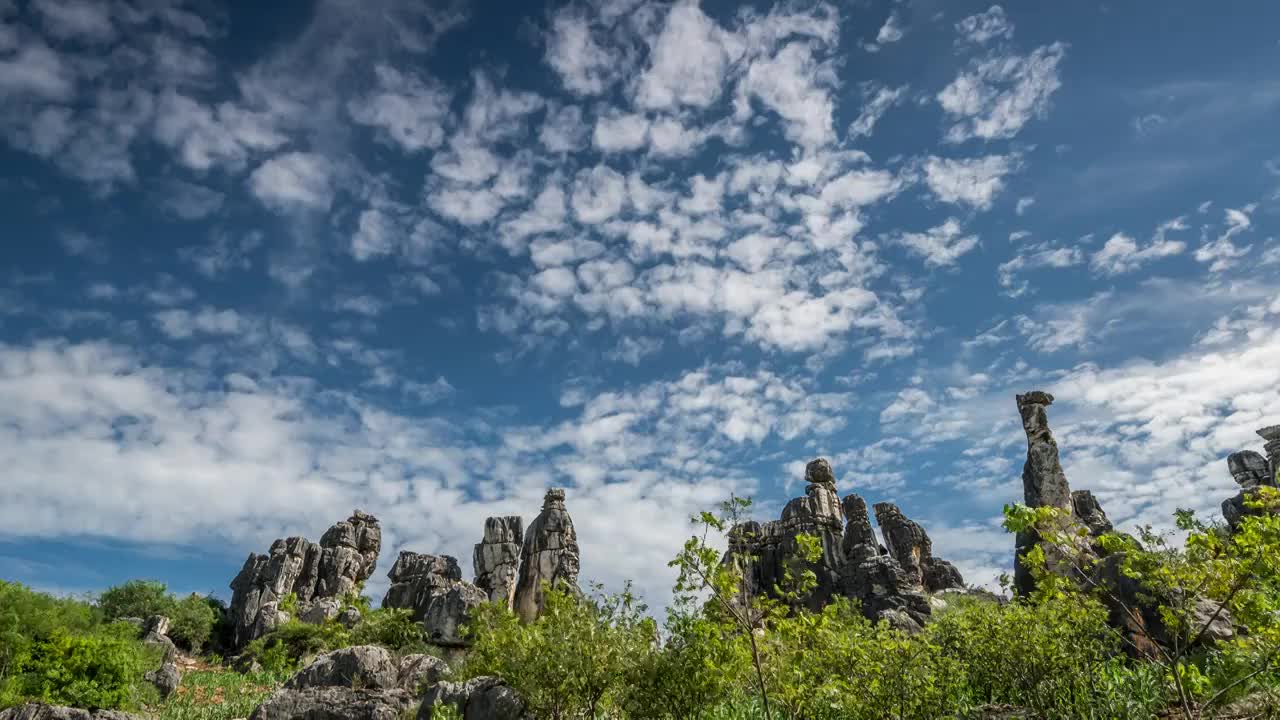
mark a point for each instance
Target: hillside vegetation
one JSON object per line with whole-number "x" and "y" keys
{"x": 721, "y": 653}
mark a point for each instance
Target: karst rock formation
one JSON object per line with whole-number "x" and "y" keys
{"x": 317, "y": 574}
{"x": 549, "y": 555}
{"x": 889, "y": 582}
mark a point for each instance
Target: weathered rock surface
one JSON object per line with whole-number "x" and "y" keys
{"x": 497, "y": 558}
{"x": 40, "y": 711}
{"x": 335, "y": 703}
{"x": 549, "y": 554}
{"x": 909, "y": 544}
{"x": 418, "y": 671}
{"x": 432, "y": 587}
{"x": 343, "y": 559}
{"x": 1044, "y": 484}
{"x": 166, "y": 678}
{"x": 1271, "y": 446}
{"x": 155, "y": 631}
{"x": 359, "y": 666}
{"x": 482, "y": 698}
{"x": 1250, "y": 471}
{"x": 886, "y": 592}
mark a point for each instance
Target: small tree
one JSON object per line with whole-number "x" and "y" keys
{"x": 136, "y": 598}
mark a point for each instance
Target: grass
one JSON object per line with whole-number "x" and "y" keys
{"x": 216, "y": 694}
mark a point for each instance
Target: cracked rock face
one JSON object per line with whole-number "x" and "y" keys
{"x": 909, "y": 544}
{"x": 432, "y": 587}
{"x": 1251, "y": 471}
{"x": 343, "y": 559}
{"x": 497, "y": 558}
{"x": 549, "y": 554}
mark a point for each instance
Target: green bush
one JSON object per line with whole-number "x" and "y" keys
{"x": 573, "y": 661}
{"x": 136, "y": 598}
{"x": 285, "y": 649}
{"x": 191, "y": 622}
{"x": 391, "y": 628}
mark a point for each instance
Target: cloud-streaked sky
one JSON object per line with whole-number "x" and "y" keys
{"x": 261, "y": 265}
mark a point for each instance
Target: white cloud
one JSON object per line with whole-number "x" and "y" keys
{"x": 873, "y": 109}
{"x": 687, "y": 62}
{"x": 563, "y": 130}
{"x": 794, "y": 84}
{"x": 942, "y": 245}
{"x": 294, "y": 181}
{"x": 910, "y": 401}
{"x": 998, "y": 96}
{"x": 1222, "y": 252}
{"x": 891, "y": 31}
{"x": 971, "y": 181}
{"x": 76, "y": 19}
{"x": 181, "y": 324}
{"x": 1033, "y": 258}
{"x": 984, "y": 27}
{"x": 36, "y": 70}
{"x": 465, "y": 206}
{"x": 584, "y": 66}
{"x": 598, "y": 194}
{"x": 1121, "y": 253}
{"x": 410, "y": 111}
{"x": 621, "y": 132}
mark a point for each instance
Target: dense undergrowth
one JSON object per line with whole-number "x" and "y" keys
{"x": 721, "y": 654}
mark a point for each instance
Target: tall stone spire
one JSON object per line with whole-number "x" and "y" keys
{"x": 1044, "y": 484}
{"x": 550, "y": 554}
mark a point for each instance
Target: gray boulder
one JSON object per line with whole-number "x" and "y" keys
{"x": 482, "y": 698}
{"x": 319, "y": 611}
{"x": 418, "y": 671}
{"x": 335, "y": 703}
{"x": 549, "y": 555}
{"x": 166, "y": 678}
{"x": 432, "y": 587}
{"x": 40, "y": 711}
{"x": 360, "y": 666}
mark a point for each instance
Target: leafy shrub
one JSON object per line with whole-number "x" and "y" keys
{"x": 136, "y": 598}
{"x": 572, "y": 661}
{"x": 100, "y": 670}
{"x": 391, "y": 628}
{"x": 191, "y": 622}
{"x": 285, "y": 649}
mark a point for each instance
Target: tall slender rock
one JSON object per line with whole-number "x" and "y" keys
{"x": 497, "y": 558}
{"x": 312, "y": 572}
{"x": 859, "y": 537}
{"x": 549, "y": 554}
{"x": 1044, "y": 484}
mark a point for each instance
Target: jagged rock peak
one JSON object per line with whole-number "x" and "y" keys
{"x": 343, "y": 559}
{"x": 549, "y": 554}
{"x": 1044, "y": 483}
{"x": 497, "y": 558}
{"x": 1089, "y": 511}
{"x": 859, "y": 537}
{"x": 906, "y": 541}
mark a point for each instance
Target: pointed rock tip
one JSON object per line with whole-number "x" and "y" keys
{"x": 1034, "y": 397}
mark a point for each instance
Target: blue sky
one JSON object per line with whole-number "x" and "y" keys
{"x": 261, "y": 267}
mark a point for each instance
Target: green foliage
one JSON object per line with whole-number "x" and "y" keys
{"x": 284, "y": 649}
{"x": 136, "y": 598}
{"x": 191, "y": 622}
{"x": 572, "y": 661}
{"x": 393, "y": 628}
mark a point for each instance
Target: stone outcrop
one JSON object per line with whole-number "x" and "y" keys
{"x": 40, "y": 711}
{"x": 165, "y": 678}
{"x": 909, "y": 544}
{"x": 336, "y": 566}
{"x": 481, "y": 698}
{"x": 889, "y": 583}
{"x": 432, "y": 587}
{"x": 359, "y": 666}
{"x": 335, "y": 703}
{"x": 497, "y": 558}
{"x": 549, "y": 555}
{"x": 1251, "y": 471}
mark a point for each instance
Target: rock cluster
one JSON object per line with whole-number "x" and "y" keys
{"x": 889, "y": 582}
{"x": 509, "y": 569}
{"x": 1251, "y": 471}
{"x": 313, "y": 572}
{"x": 40, "y": 711}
